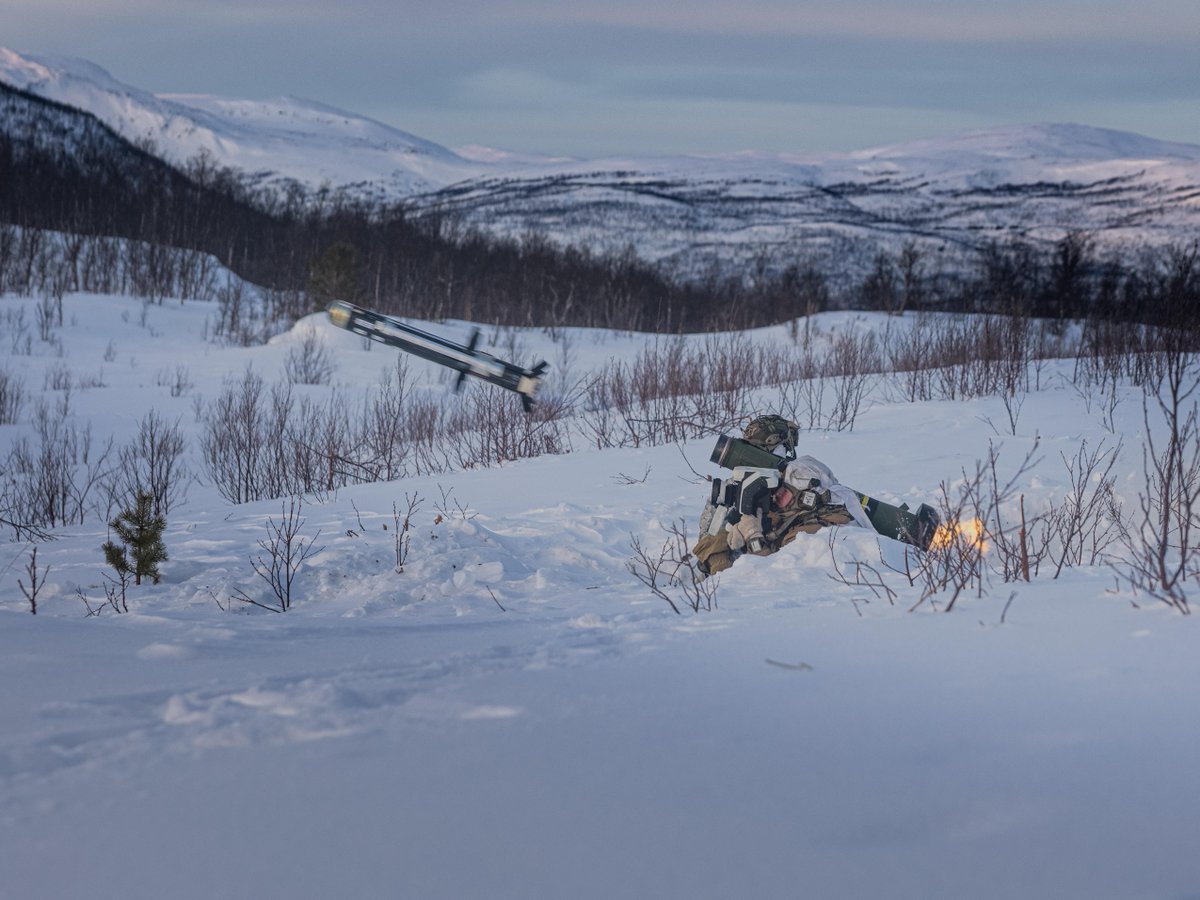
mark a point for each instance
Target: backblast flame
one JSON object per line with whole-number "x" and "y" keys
{"x": 966, "y": 531}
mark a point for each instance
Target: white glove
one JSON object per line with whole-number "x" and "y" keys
{"x": 746, "y": 534}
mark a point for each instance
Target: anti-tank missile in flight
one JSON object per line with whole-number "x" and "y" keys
{"x": 463, "y": 358}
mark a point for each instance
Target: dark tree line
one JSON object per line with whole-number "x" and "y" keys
{"x": 62, "y": 170}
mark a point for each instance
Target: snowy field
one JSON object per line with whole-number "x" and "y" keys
{"x": 515, "y": 716}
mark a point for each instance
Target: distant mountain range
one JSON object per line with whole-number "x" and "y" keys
{"x": 948, "y": 195}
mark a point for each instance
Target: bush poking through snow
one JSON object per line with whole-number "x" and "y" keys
{"x": 51, "y": 481}
{"x": 37, "y": 581}
{"x": 116, "y": 595}
{"x": 12, "y": 397}
{"x": 1162, "y": 549}
{"x": 283, "y": 553}
{"x": 153, "y": 462}
{"x": 672, "y": 574}
{"x": 404, "y": 527}
{"x": 310, "y": 361}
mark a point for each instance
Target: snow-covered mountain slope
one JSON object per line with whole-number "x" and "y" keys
{"x": 287, "y": 139}
{"x": 948, "y": 195}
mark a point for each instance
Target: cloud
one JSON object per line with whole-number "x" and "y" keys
{"x": 1172, "y": 21}
{"x": 922, "y": 20}
{"x": 701, "y": 75}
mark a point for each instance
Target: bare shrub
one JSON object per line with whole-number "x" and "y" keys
{"x": 12, "y": 397}
{"x": 426, "y": 423}
{"x": 450, "y": 507}
{"x": 286, "y": 304}
{"x": 58, "y": 377}
{"x": 976, "y": 514}
{"x": 1089, "y": 520}
{"x": 152, "y": 463}
{"x": 283, "y": 552}
{"x": 258, "y": 442}
{"x": 37, "y": 580}
{"x": 854, "y": 358}
{"x": 489, "y": 427}
{"x": 278, "y": 463}
{"x": 195, "y": 274}
{"x": 671, "y": 392}
{"x": 116, "y": 591}
{"x": 858, "y": 573}
{"x": 44, "y": 315}
{"x": 17, "y": 329}
{"x": 116, "y": 594}
{"x": 826, "y": 389}
{"x": 1162, "y": 548}
{"x": 310, "y": 361}
{"x": 239, "y": 320}
{"x": 177, "y": 380}
{"x": 910, "y": 359}
{"x": 803, "y": 399}
{"x": 383, "y": 436}
{"x": 234, "y": 441}
{"x": 16, "y": 510}
{"x": 954, "y": 563}
{"x": 404, "y": 525}
{"x": 953, "y": 358}
{"x": 89, "y": 382}
{"x": 1004, "y": 534}
{"x": 316, "y": 453}
{"x": 50, "y": 479}
{"x": 986, "y": 532}
{"x": 672, "y": 574}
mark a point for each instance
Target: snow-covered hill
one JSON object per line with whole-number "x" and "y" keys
{"x": 288, "y": 139}
{"x": 515, "y": 716}
{"x": 947, "y": 195}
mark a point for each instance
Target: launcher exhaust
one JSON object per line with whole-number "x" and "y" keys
{"x": 462, "y": 358}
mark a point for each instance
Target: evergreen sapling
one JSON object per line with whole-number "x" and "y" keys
{"x": 141, "y": 548}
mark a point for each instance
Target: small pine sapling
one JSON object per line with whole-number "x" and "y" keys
{"x": 141, "y": 547}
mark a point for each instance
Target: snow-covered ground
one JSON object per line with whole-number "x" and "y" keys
{"x": 515, "y": 716}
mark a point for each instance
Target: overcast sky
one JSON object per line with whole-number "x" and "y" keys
{"x": 600, "y": 77}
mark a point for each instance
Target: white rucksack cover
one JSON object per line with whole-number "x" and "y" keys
{"x": 800, "y": 474}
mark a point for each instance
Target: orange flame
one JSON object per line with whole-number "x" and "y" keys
{"x": 969, "y": 531}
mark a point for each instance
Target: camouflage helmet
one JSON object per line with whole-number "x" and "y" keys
{"x": 769, "y": 432}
